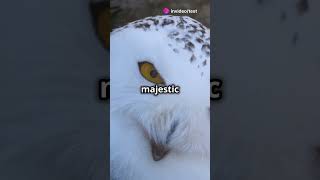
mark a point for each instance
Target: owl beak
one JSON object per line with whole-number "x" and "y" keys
{"x": 159, "y": 151}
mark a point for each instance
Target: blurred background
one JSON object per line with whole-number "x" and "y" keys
{"x": 125, "y": 11}
{"x": 267, "y": 126}
{"x": 52, "y": 126}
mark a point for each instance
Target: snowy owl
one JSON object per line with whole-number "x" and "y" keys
{"x": 163, "y": 137}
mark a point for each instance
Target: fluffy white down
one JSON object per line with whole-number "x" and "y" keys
{"x": 178, "y": 48}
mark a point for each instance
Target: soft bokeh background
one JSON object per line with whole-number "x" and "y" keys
{"x": 52, "y": 126}
{"x": 124, "y": 11}
{"x": 267, "y": 127}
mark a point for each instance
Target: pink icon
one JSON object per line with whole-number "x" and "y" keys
{"x": 165, "y": 10}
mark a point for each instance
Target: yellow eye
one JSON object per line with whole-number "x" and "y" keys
{"x": 150, "y": 73}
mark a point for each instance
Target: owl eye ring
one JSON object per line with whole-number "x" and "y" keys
{"x": 150, "y": 73}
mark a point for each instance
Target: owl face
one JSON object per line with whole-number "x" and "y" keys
{"x": 158, "y": 51}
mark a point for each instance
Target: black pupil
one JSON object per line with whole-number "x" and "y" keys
{"x": 153, "y": 73}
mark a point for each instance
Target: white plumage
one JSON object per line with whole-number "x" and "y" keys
{"x": 179, "y": 48}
